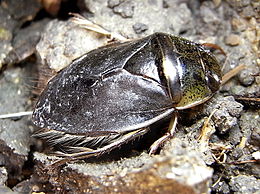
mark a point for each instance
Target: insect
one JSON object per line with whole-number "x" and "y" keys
{"x": 112, "y": 95}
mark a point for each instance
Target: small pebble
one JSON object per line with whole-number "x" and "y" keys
{"x": 125, "y": 9}
{"x": 113, "y": 3}
{"x": 256, "y": 155}
{"x": 217, "y": 2}
{"x": 245, "y": 78}
{"x": 140, "y": 27}
{"x": 232, "y": 40}
{"x": 238, "y": 24}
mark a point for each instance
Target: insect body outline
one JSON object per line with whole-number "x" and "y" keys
{"x": 125, "y": 87}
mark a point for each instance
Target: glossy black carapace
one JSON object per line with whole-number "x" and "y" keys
{"x": 112, "y": 94}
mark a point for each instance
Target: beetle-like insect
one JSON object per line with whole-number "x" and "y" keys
{"x": 113, "y": 94}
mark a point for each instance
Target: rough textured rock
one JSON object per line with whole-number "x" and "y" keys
{"x": 3, "y": 175}
{"x": 175, "y": 171}
{"x": 227, "y": 112}
{"x": 64, "y": 41}
{"x": 121, "y": 16}
{"x": 245, "y": 184}
{"x": 15, "y": 134}
{"x": 24, "y": 42}
{"x": 14, "y": 99}
{"x": 13, "y": 16}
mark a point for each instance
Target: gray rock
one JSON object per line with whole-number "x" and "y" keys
{"x": 227, "y": 112}
{"x": 13, "y": 15}
{"x": 6, "y": 190}
{"x": 249, "y": 123}
{"x": 3, "y": 175}
{"x": 246, "y": 77}
{"x": 24, "y": 43}
{"x": 244, "y": 184}
{"x": 221, "y": 187}
{"x": 174, "y": 19}
{"x": 140, "y": 28}
{"x": 15, "y": 133}
{"x": 176, "y": 170}
{"x": 64, "y": 41}
{"x": 124, "y": 8}
{"x": 6, "y": 34}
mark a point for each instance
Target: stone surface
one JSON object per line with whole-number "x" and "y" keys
{"x": 6, "y": 33}
{"x": 3, "y": 175}
{"x": 24, "y": 43}
{"x": 15, "y": 133}
{"x": 154, "y": 13}
{"x": 64, "y": 41}
{"x": 245, "y": 184}
{"x": 140, "y": 28}
{"x": 13, "y": 15}
{"x": 232, "y": 40}
{"x": 227, "y": 112}
{"x": 176, "y": 171}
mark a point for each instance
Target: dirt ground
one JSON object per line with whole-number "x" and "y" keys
{"x": 36, "y": 35}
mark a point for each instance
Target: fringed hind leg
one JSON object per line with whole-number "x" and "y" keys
{"x": 81, "y": 150}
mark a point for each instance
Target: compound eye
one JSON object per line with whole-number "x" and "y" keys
{"x": 213, "y": 82}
